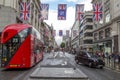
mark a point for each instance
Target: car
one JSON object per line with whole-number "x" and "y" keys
{"x": 88, "y": 58}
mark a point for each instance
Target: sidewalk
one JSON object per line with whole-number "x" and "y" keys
{"x": 112, "y": 64}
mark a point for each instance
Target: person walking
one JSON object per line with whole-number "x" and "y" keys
{"x": 53, "y": 53}
{"x": 63, "y": 52}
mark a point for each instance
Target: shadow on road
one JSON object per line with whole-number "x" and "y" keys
{"x": 23, "y": 69}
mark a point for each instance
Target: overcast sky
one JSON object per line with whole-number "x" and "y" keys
{"x": 70, "y": 15}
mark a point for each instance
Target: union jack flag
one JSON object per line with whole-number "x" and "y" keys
{"x": 67, "y": 33}
{"x": 24, "y": 11}
{"x": 44, "y": 11}
{"x": 97, "y": 11}
{"x": 60, "y": 32}
{"x": 79, "y": 11}
{"x": 62, "y": 11}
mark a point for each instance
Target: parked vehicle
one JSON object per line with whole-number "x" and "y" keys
{"x": 89, "y": 59}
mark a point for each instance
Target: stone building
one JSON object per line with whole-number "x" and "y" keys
{"x": 74, "y": 34}
{"x": 106, "y": 31}
{"x": 49, "y": 39}
{"x": 86, "y": 32}
{"x": 10, "y": 14}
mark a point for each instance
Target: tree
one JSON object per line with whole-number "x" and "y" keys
{"x": 62, "y": 45}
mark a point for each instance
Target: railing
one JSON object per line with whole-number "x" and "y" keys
{"x": 112, "y": 62}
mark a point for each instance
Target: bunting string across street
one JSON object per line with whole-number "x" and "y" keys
{"x": 61, "y": 32}
{"x": 62, "y": 9}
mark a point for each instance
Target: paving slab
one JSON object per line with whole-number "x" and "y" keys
{"x": 46, "y": 73}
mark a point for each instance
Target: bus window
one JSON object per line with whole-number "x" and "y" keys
{"x": 4, "y": 50}
{"x": 10, "y": 47}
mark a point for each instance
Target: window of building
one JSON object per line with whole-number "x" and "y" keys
{"x": 95, "y": 36}
{"x": 9, "y": 3}
{"x": 81, "y": 33}
{"x": 107, "y": 32}
{"x": 107, "y": 18}
{"x": 101, "y": 21}
{"x": 88, "y": 27}
{"x": 89, "y": 34}
{"x": 2, "y": 2}
{"x": 101, "y": 34}
{"x": 88, "y": 41}
{"x": 106, "y": 5}
{"x": 89, "y": 20}
{"x": 28, "y": 1}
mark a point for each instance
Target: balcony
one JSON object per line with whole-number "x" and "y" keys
{"x": 88, "y": 35}
{"x": 88, "y": 38}
{"x": 88, "y": 30}
{"x": 87, "y": 45}
{"x": 90, "y": 41}
{"x": 88, "y": 23}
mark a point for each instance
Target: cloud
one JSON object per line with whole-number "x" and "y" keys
{"x": 44, "y": 1}
{"x": 58, "y": 39}
{"x": 88, "y": 5}
{"x": 61, "y": 24}
{"x": 72, "y": 0}
{"x": 70, "y": 18}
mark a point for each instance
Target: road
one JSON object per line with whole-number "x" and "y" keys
{"x": 16, "y": 74}
{"x": 98, "y": 74}
{"x": 68, "y": 61}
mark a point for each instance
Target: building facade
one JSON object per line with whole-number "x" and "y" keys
{"x": 103, "y": 28}
{"x": 107, "y": 32}
{"x": 74, "y": 35}
{"x": 49, "y": 39}
{"x": 68, "y": 44}
{"x": 86, "y": 32}
{"x": 8, "y": 12}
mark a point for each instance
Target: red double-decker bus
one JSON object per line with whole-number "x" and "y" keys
{"x": 21, "y": 46}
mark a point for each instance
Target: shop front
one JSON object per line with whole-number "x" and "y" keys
{"x": 103, "y": 45}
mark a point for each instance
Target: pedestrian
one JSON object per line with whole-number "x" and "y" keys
{"x": 106, "y": 54}
{"x": 119, "y": 61}
{"x": 63, "y": 52}
{"x": 53, "y": 52}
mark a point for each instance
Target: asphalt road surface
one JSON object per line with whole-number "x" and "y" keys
{"x": 60, "y": 60}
